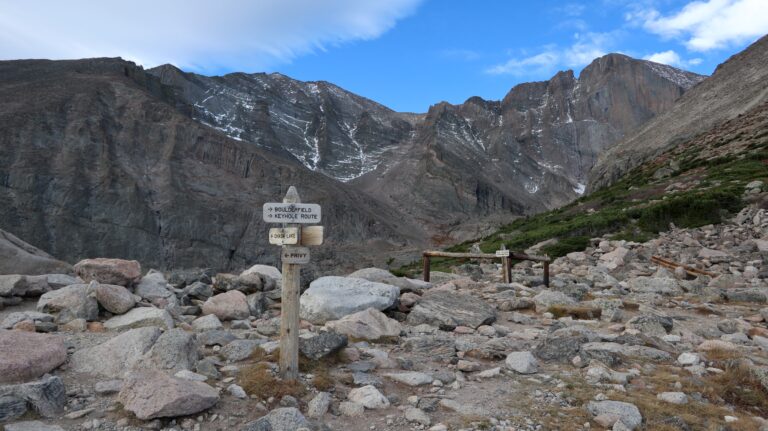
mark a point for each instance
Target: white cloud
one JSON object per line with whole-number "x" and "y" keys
{"x": 585, "y": 48}
{"x": 193, "y": 34}
{"x": 667, "y": 57}
{"x": 711, "y": 24}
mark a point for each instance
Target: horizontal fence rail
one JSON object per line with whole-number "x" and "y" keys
{"x": 505, "y": 261}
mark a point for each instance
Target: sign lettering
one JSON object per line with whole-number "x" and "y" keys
{"x": 291, "y": 213}
{"x": 295, "y": 255}
{"x": 284, "y": 236}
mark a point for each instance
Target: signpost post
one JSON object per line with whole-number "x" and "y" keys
{"x": 292, "y": 214}
{"x": 506, "y": 267}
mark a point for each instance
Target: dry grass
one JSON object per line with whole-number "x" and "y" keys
{"x": 258, "y": 380}
{"x": 575, "y": 311}
{"x": 323, "y": 379}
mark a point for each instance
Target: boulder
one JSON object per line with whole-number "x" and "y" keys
{"x": 317, "y": 345}
{"x": 232, "y": 305}
{"x": 331, "y": 298}
{"x": 548, "y": 298}
{"x": 72, "y": 302}
{"x": 370, "y": 324}
{"x": 207, "y": 323}
{"x": 563, "y": 344}
{"x": 411, "y": 378}
{"x": 140, "y": 317}
{"x": 651, "y": 324}
{"x": 46, "y": 396}
{"x": 18, "y": 257}
{"x": 319, "y": 405}
{"x": 109, "y": 271}
{"x": 23, "y": 285}
{"x": 627, "y": 413}
{"x": 151, "y": 394}
{"x": 265, "y": 271}
{"x": 655, "y": 285}
{"x": 175, "y": 350}
{"x": 280, "y": 419}
{"x": 115, "y": 299}
{"x": 614, "y": 259}
{"x": 522, "y": 362}
{"x": 373, "y": 274}
{"x": 25, "y": 355}
{"x": 116, "y": 356}
{"x": 239, "y": 350}
{"x": 153, "y": 287}
{"x": 447, "y": 310}
{"x": 369, "y": 397}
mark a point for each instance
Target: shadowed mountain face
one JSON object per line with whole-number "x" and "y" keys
{"x": 736, "y": 87}
{"x": 96, "y": 161}
{"x": 100, "y": 158}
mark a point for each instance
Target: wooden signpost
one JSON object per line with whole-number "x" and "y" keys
{"x": 294, "y": 239}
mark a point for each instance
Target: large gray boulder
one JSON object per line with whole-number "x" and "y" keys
{"x": 331, "y": 298}
{"x": 153, "y": 287}
{"x": 317, "y": 345}
{"x": 370, "y": 324}
{"x": 175, "y": 350}
{"x": 18, "y": 257}
{"x": 151, "y": 394}
{"x": 547, "y": 298}
{"x": 72, "y": 302}
{"x": 141, "y": 316}
{"x": 115, "y": 299}
{"x": 28, "y": 355}
{"x": 23, "y": 285}
{"x": 115, "y": 357}
{"x": 109, "y": 271}
{"x": 448, "y": 310}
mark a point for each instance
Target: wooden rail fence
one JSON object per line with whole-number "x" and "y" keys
{"x": 505, "y": 261}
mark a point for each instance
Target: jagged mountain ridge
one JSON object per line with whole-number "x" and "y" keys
{"x": 530, "y": 151}
{"x": 327, "y": 128}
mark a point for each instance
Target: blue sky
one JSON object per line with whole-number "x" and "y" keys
{"x": 406, "y": 54}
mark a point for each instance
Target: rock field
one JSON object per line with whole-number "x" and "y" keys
{"x": 616, "y": 342}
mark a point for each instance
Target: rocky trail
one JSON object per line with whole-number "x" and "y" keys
{"x": 616, "y": 342}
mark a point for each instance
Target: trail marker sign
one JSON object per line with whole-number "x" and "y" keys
{"x": 284, "y": 235}
{"x": 291, "y": 213}
{"x": 294, "y": 239}
{"x": 502, "y": 253}
{"x": 296, "y": 255}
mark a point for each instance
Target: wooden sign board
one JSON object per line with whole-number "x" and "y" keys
{"x": 295, "y": 255}
{"x": 312, "y": 235}
{"x": 284, "y": 236}
{"x": 291, "y": 213}
{"x": 502, "y": 253}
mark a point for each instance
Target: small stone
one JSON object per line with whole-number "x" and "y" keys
{"x": 673, "y": 397}
{"x": 236, "y": 391}
{"x": 319, "y": 405}
{"x": 369, "y": 397}
{"x": 688, "y": 358}
{"x": 352, "y": 409}
{"x": 413, "y": 414}
{"x": 411, "y": 378}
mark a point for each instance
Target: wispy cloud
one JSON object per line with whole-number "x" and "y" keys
{"x": 192, "y": 33}
{"x": 584, "y": 49}
{"x": 708, "y": 25}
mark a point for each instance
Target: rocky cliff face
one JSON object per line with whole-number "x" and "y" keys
{"x": 100, "y": 158}
{"x": 737, "y": 86}
{"x": 528, "y": 152}
{"x": 96, "y": 161}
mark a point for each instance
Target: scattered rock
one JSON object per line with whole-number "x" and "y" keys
{"x": 369, "y": 397}
{"x": 627, "y": 413}
{"x": 116, "y": 356}
{"x": 115, "y": 299}
{"x": 152, "y": 394}
{"x": 411, "y": 378}
{"x": 140, "y": 317}
{"x": 72, "y": 302}
{"x": 522, "y": 362}
{"x": 447, "y": 310}
{"x": 109, "y": 271}
{"x": 318, "y": 345}
{"x": 231, "y": 305}
{"x": 319, "y": 405}
{"x": 370, "y": 324}
{"x": 25, "y": 356}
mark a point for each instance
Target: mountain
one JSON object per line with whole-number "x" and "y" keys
{"x": 327, "y": 128}
{"x": 96, "y": 160}
{"x": 737, "y": 86}
{"x": 102, "y": 158}
{"x": 481, "y": 161}
{"x": 527, "y": 153}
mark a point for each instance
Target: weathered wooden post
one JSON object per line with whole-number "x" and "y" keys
{"x": 292, "y": 214}
{"x": 546, "y": 273}
{"x": 425, "y": 259}
{"x": 506, "y": 267}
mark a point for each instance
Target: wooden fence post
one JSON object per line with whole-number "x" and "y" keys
{"x": 425, "y": 261}
{"x": 546, "y": 273}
